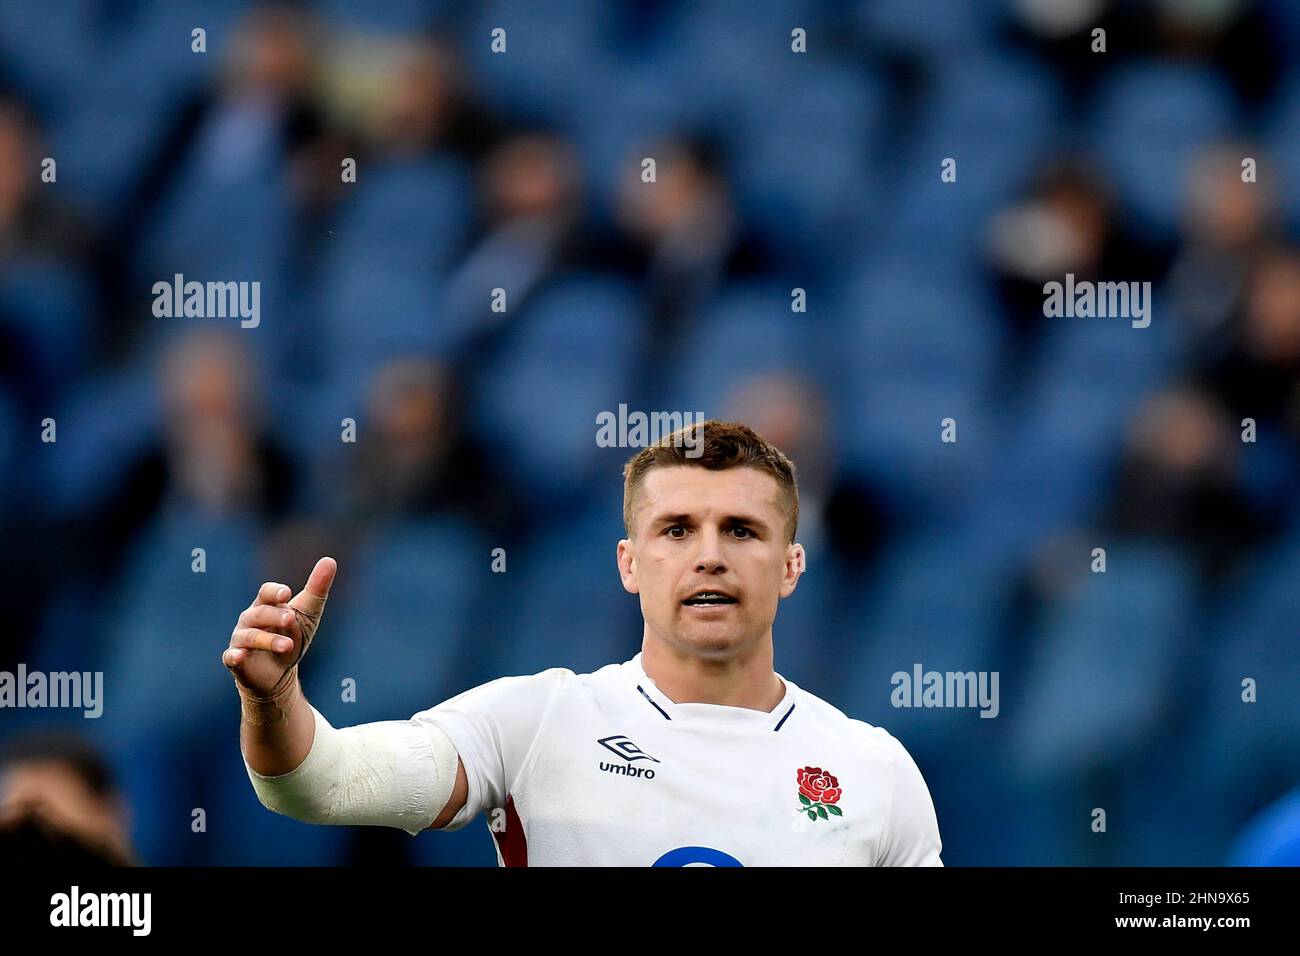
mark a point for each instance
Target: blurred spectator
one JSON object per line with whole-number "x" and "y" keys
{"x": 31, "y": 221}
{"x": 1177, "y": 480}
{"x": 532, "y": 208}
{"x": 682, "y": 234}
{"x": 427, "y": 105}
{"x": 264, "y": 103}
{"x": 1068, "y": 224}
{"x": 58, "y": 797}
{"x": 1259, "y": 376}
{"x": 215, "y": 455}
{"x": 255, "y": 132}
{"x": 836, "y": 510}
{"x": 413, "y": 457}
{"x": 1235, "y": 35}
{"x": 37, "y": 234}
{"x": 1226, "y": 222}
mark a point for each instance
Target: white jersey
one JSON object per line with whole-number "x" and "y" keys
{"x": 602, "y": 769}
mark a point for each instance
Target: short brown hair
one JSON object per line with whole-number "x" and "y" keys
{"x": 725, "y": 445}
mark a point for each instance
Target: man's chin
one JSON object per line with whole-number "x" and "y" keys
{"x": 712, "y": 640}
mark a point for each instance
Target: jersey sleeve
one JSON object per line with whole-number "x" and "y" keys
{"x": 493, "y": 727}
{"x": 911, "y": 836}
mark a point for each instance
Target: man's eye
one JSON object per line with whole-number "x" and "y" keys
{"x": 738, "y": 529}
{"x": 676, "y": 527}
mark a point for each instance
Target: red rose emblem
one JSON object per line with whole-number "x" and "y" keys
{"x": 818, "y": 786}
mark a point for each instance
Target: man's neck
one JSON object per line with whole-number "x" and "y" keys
{"x": 686, "y": 678}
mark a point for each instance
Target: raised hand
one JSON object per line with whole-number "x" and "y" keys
{"x": 274, "y": 633}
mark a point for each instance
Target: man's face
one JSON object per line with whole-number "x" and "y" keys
{"x": 698, "y": 531}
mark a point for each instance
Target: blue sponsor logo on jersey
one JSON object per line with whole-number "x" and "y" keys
{"x": 697, "y": 856}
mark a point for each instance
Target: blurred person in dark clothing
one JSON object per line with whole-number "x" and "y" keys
{"x": 1068, "y": 224}
{"x": 1238, "y": 37}
{"x": 428, "y": 105}
{"x": 38, "y": 235}
{"x": 1259, "y": 374}
{"x": 259, "y": 120}
{"x": 531, "y": 229}
{"x": 1178, "y": 481}
{"x": 415, "y": 458}
{"x": 262, "y": 104}
{"x": 1226, "y": 223}
{"x": 31, "y": 222}
{"x": 682, "y": 235}
{"x": 215, "y": 454}
{"x": 58, "y": 798}
{"x": 34, "y": 228}
{"x": 839, "y": 510}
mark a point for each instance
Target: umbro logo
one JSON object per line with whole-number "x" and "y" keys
{"x": 630, "y": 753}
{"x": 625, "y": 748}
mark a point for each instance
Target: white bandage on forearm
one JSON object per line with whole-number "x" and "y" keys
{"x": 395, "y": 773}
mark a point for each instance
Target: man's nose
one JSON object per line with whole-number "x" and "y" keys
{"x": 709, "y": 559}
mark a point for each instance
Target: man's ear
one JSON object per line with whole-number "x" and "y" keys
{"x": 796, "y": 561}
{"x": 627, "y": 565}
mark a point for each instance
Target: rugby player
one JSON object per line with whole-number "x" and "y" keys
{"x": 693, "y": 752}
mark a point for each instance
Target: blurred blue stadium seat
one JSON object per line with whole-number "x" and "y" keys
{"x": 103, "y": 423}
{"x": 937, "y": 601}
{"x": 571, "y": 357}
{"x": 1101, "y": 674}
{"x": 144, "y": 68}
{"x": 808, "y": 172}
{"x": 49, "y": 51}
{"x": 1281, "y": 164}
{"x": 242, "y": 832}
{"x": 406, "y": 214}
{"x": 48, "y": 304}
{"x": 403, "y": 619}
{"x": 1253, "y": 746}
{"x": 369, "y": 318}
{"x": 1059, "y": 444}
{"x": 167, "y": 698}
{"x": 1150, "y": 121}
{"x": 916, "y": 347}
{"x": 808, "y": 635}
{"x": 210, "y": 229}
{"x": 746, "y": 330}
{"x": 555, "y": 55}
{"x": 560, "y": 602}
{"x": 940, "y": 31}
{"x": 384, "y": 16}
{"x": 999, "y": 119}
{"x": 171, "y": 623}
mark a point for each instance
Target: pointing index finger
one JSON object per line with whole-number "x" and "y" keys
{"x": 311, "y": 599}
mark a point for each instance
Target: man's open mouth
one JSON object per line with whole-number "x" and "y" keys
{"x": 709, "y": 599}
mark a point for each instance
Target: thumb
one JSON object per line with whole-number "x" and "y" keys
{"x": 311, "y": 599}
